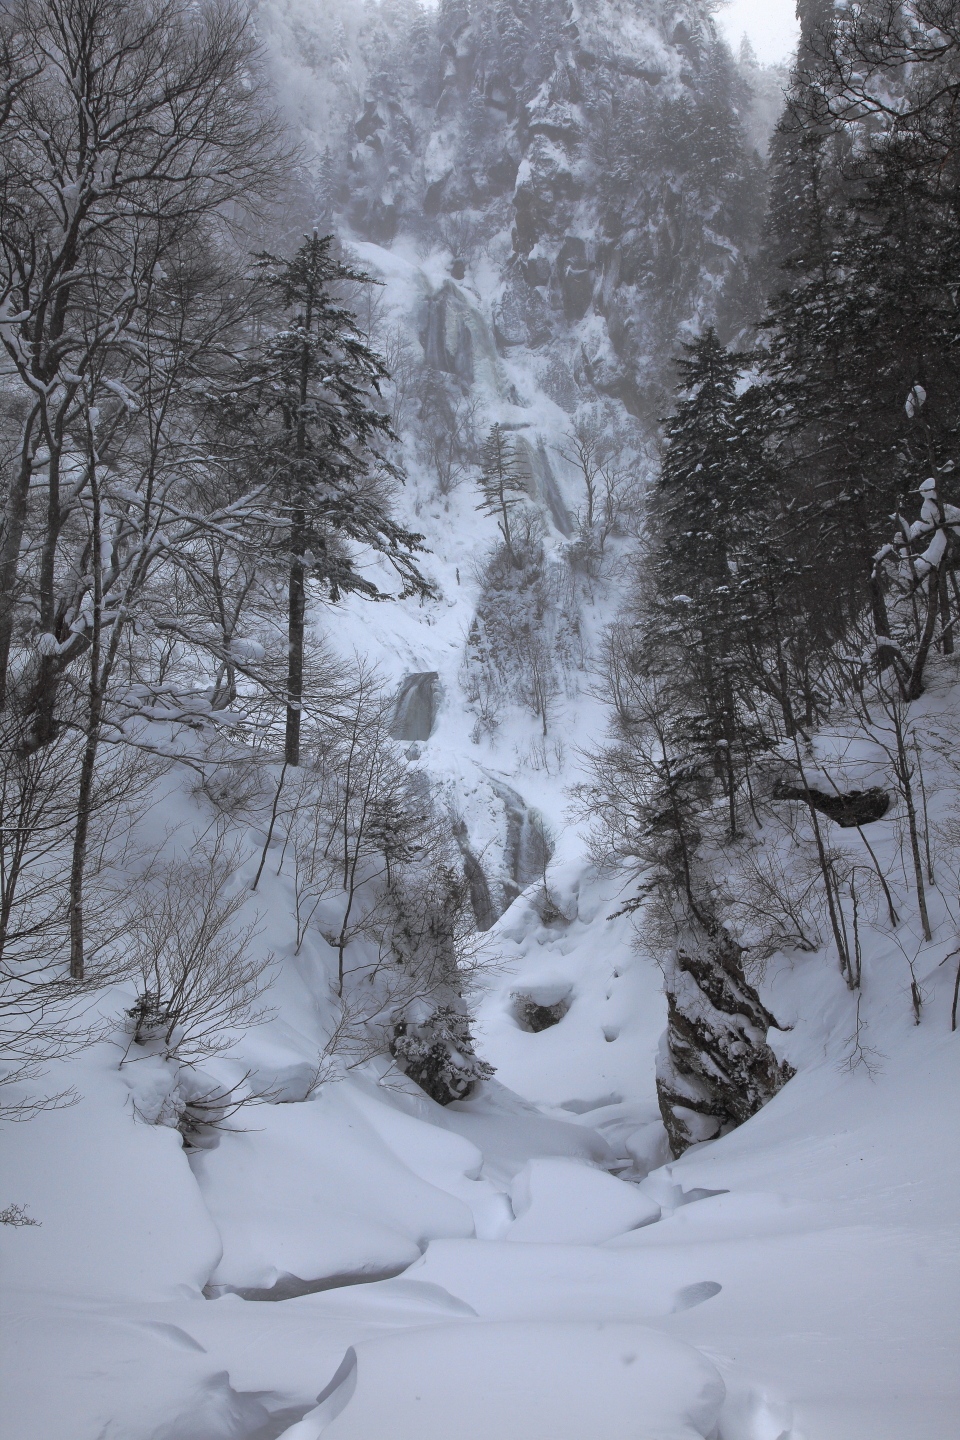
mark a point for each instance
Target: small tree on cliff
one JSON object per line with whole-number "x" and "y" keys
{"x": 502, "y": 482}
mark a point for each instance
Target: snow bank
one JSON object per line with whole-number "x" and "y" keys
{"x": 314, "y": 1192}
{"x": 565, "y": 1203}
{"x": 514, "y": 1382}
{"x": 120, "y": 1213}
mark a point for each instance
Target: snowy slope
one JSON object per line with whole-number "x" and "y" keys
{"x": 809, "y": 1259}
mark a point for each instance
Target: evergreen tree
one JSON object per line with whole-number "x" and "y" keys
{"x": 705, "y": 478}
{"x": 705, "y": 512}
{"x": 864, "y": 212}
{"x": 513, "y": 41}
{"x": 453, "y": 17}
{"x": 315, "y": 392}
{"x": 502, "y": 482}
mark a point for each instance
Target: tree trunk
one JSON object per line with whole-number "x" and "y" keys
{"x": 296, "y": 609}
{"x": 14, "y": 521}
{"x": 944, "y": 600}
{"x": 914, "y": 688}
{"x": 296, "y": 595}
{"x": 94, "y": 716}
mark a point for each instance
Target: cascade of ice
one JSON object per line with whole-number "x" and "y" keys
{"x": 415, "y": 708}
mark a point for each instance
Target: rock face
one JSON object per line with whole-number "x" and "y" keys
{"x": 587, "y": 168}
{"x": 528, "y": 847}
{"x": 715, "y": 1068}
{"x": 521, "y": 848}
{"x": 481, "y": 900}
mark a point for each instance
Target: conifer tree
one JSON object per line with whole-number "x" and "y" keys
{"x": 705, "y": 512}
{"x": 502, "y": 482}
{"x": 315, "y": 391}
{"x": 704, "y": 478}
{"x": 864, "y": 207}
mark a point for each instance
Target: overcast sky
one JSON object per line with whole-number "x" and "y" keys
{"x": 771, "y": 25}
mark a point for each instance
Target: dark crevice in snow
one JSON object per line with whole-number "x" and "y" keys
{"x": 289, "y": 1287}
{"x": 692, "y": 1295}
{"x": 279, "y": 1423}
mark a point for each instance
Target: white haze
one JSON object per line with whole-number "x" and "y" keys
{"x": 770, "y": 25}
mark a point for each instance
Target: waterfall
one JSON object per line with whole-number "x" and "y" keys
{"x": 415, "y": 708}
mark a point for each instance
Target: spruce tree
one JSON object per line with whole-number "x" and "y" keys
{"x": 314, "y": 393}
{"x": 502, "y": 482}
{"x": 703, "y": 480}
{"x": 705, "y": 512}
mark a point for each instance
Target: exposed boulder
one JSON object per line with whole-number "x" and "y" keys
{"x": 857, "y": 807}
{"x": 542, "y": 1008}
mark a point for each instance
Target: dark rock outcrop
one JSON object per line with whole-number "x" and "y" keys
{"x": 857, "y": 807}
{"x": 715, "y": 1068}
{"x": 536, "y": 1012}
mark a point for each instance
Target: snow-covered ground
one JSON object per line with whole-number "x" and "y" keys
{"x": 805, "y": 1266}
{"x": 535, "y": 1266}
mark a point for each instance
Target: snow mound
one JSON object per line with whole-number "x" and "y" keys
{"x": 509, "y": 1381}
{"x": 120, "y": 1215}
{"x": 503, "y": 1281}
{"x": 510, "y": 1131}
{"x": 314, "y": 1192}
{"x": 565, "y": 1203}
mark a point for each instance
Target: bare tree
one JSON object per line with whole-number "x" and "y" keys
{"x": 447, "y": 436}
{"x": 126, "y": 127}
{"x": 608, "y": 463}
{"x": 399, "y": 358}
{"x": 586, "y": 447}
{"x": 42, "y": 1011}
{"x": 201, "y": 974}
